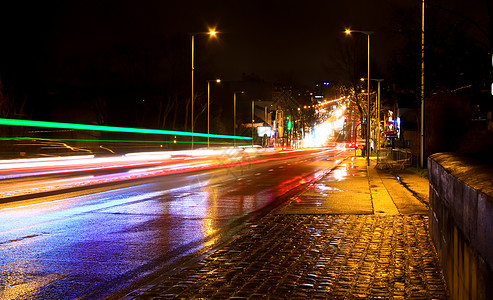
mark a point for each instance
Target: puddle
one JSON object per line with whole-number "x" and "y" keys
{"x": 324, "y": 188}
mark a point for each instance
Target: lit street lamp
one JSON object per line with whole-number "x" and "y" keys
{"x": 208, "y": 105}
{"x": 368, "y": 33}
{"x": 210, "y": 33}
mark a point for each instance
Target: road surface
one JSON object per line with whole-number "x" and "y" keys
{"x": 91, "y": 241}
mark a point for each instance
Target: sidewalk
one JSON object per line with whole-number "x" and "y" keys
{"x": 356, "y": 233}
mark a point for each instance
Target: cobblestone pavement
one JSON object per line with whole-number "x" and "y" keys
{"x": 314, "y": 256}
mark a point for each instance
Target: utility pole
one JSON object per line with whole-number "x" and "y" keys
{"x": 422, "y": 139}
{"x": 253, "y": 117}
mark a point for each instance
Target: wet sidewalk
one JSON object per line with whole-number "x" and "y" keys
{"x": 356, "y": 233}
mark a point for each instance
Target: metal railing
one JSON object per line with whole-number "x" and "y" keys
{"x": 393, "y": 158}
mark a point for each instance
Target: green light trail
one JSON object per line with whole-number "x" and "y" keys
{"x": 115, "y": 141}
{"x": 30, "y": 123}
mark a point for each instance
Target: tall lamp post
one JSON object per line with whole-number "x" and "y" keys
{"x": 253, "y": 117}
{"x": 209, "y": 104}
{"x": 210, "y": 33}
{"x": 377, "y": 110}
{"x": 422, "y": 133}
{"x": 234, "y": 112}
{"x": 368, "y": 33}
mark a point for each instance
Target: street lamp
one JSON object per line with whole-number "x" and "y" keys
{"x": 234, "y": 112}
{"x": 208, "y": 105}
{"x": 253, "y": 117}
{"x": 368, "y": 33}
{"x": 377, "y": 110}
{"x": 211, "y": 33}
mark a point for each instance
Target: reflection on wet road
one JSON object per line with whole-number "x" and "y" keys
{"x": 94, "y": 243}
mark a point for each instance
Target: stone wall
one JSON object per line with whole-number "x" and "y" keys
{"x": 461, "y": 223}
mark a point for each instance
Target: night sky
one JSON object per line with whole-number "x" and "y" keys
{"x": 298, "y": 39}
{"x": 48, "y": 44}
{"x": 269, "y": 38}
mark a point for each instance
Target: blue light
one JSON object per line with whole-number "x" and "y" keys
{"x": 326, "y": 83}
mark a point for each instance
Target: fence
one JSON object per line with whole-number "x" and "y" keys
{"x": 393, "y": 158}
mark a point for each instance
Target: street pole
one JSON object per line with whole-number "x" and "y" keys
{"x": 208, "y": 111}
{"x": 368, "y": 118}
{"x": 208, "y": 106}
{"x": 422, "y": 133}
{"x": 368, "y": 123}
{"x": 210, "y": 33}
{"x": 234, "y": 113}
{"x": 234, "y": 117}
{"x": 378, "y": 118}
{"x": 253, "y": 117}
{"x": 378, "y": 114}
{"x": 193, "y": 47}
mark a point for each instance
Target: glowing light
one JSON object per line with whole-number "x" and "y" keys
{"x": 45, "y": 124}
{"x": 323, "y": 133}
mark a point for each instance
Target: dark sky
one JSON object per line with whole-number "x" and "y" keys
{"x": 268, "y": 38}
{"x": 298, "y": 39}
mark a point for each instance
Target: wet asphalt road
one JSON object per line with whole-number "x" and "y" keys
{"x": 93, "y": 243}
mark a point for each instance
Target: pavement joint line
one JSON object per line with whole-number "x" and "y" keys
{"x": 381, "y": 199}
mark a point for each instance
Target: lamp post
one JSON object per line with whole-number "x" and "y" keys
{"x": 422, "y": 129}
{"x": 378, "y": 113}
{"x": 208, "y": 105}
{"x": 234, "y": 112}
{"x": 377, "y": 110}
{"x": 253, "y": 117}
{"x": 210, "y": 33}
{"x": 368, "y": 33}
